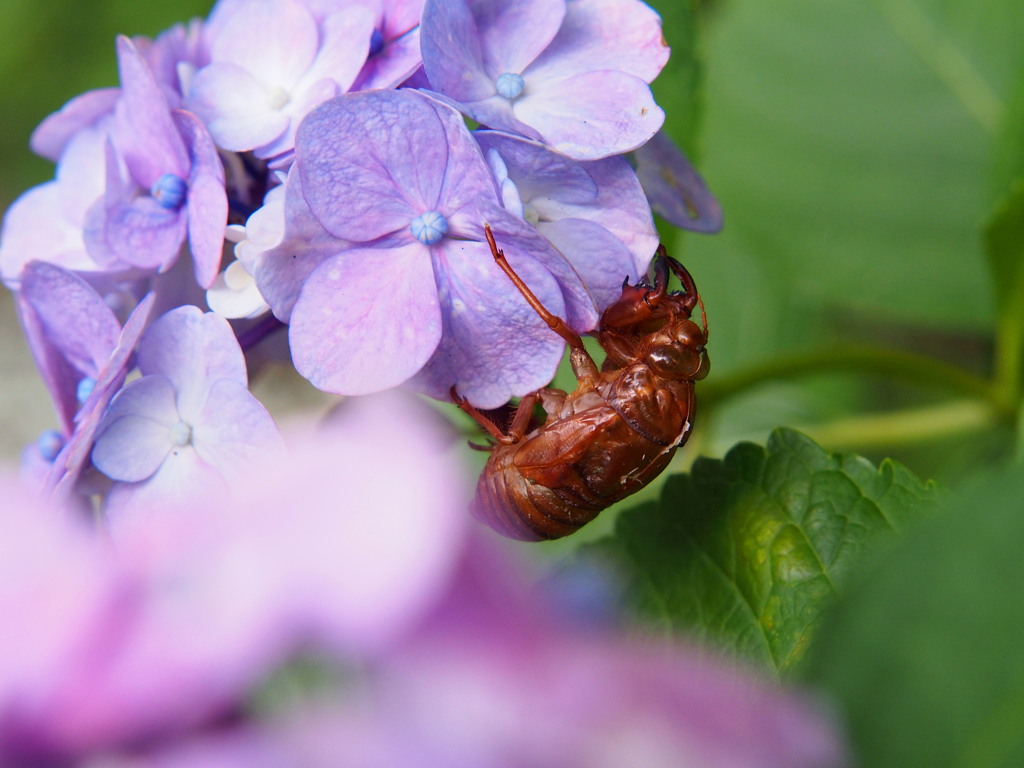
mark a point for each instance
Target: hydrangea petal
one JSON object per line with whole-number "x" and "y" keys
{"x": 518, "y": 239}
{"x": 366, "y": 320}
{"x": 287, "y": 35}
{"x": 393, "y": 65}
{"x": 550, "y": 186}
{"x": 344, "y": 47}
{"x": 70, "y": 330}
{"x": 676, "y": 191}
{"x": 143, "y": 233}
{"x": 133, "y": 438}
{"x": 362, "y": 176}
{"x": 609, "y": 113}
{"x": 233, "y": 428}
{"x": 514, "y": 32}
{"x": 285, "y": 245}
{"x": 452, "y": 54}
{"x": 235, "y": 107}
{"x": 191, "y": 349}
{"x": 207, "y": 201}
{"x": 539, "y": 172}
{"x": 623, "y": 35}
{"x": 32, "y": 230}
{"x": 52, "y": 135}
{"x": 601, "y": 259}
{"x": 145, "y": 133}
{"x": 495, "y": 346}
{"x": 179, "y": 482}
{"x": 81, "y": 173}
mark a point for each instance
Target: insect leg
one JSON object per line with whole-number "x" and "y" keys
{"x": 582, "y": 363}
{"x": 486, "y": 424}
{"x": 692, "y": 298}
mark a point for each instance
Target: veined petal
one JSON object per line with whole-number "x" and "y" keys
{"x": 623, "y": 35}
{"x": 144, "y": 233}
{"x": 344, "y": 46}
{"x": 144, "y": 131}
{"x": 370, "y": 162}
{"x": 281, "y": 269}
{"x": 366, "y": 320}
{"x": 599, "y": 257}
{"x": 593, "y": 114}
{"x": 452, "y": 55}
{"x": 539, "y": 172}
{"x": 515, "y": 32}
{"x": 74, "y": 318}
{"x": 207, "y": 201}
{"x": 495, "y": 346}
{"x": 519, "y": 240}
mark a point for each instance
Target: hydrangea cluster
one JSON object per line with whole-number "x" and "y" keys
{"x": 308, "y": 167}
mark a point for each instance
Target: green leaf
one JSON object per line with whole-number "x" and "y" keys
{"x": 849, "y": 143}
{"x": 747, "y": 551}
{"x": 924, "y": 655}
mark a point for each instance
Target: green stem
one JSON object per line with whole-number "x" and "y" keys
{"x": 1009, "y": 350}
{"x": 908, "y": 366}
{"x": 897, "y": 428}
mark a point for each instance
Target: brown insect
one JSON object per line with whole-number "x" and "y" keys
{"x": 616, "y": 431}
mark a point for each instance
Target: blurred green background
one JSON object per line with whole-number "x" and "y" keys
{"x": 857, "y": 147}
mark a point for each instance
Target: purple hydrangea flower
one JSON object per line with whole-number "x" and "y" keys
{"x": 83, "y": 354}
{"x": 189, "y": 424}
{"x": 171, "y": 160}
{"x": 572, "y": 74}
{"x": 408, "y": 291}
{"x": 271, "y": 62}
{"x": 595, "y": 212}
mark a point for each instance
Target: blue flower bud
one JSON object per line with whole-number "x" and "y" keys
{"x": 376, "y": 42}
{"x": 85, "y": 388}
{"x": 50, "y": 444}
{"x": 180, "y": 434}
{"x": 429, "y": 227}
{"x": 169, "y": 190}
{"x": 509, "y": 85}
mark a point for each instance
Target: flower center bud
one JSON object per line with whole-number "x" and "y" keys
{"x": 429, "y": 227}
{"x": 49, "y": 444}
{"x": 278, "y": 97}
{"x": 84, "y": 389}
{"x": 376, "y": 42}
{"x": 169, "y": 190}
{"x": 509, "y": 85}
{"x": 180, "y": 434}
